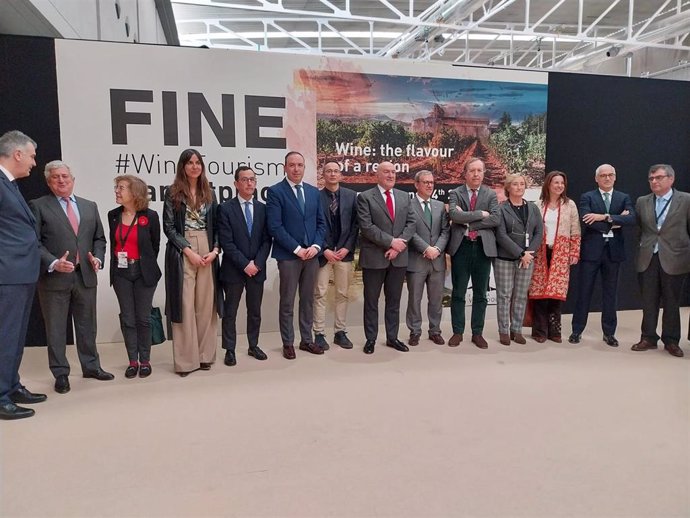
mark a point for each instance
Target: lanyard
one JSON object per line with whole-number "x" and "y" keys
{"x": 129, "y": 229}
{"x": 658, "y": 216}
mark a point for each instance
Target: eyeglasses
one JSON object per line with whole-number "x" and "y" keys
{"x": 658, "y": 177}
{"x": 120, "y": 188}
{"x": 247, "y": 180}
{"x": 607, "y": 175}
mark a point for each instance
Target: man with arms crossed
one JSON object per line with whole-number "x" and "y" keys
{"x": 339, "y": 207}
{"x": 72, "y": 251}
{"x": 473, "y": 211}
{"x": 662, "y": 262}
{"x": 297, "y": 224}
{"x": 604, "y": 213}
{"x": 387, "y": 223}
{"x": 426, "y": 264}
{"x": 19, "y": 264}
{"x": 244, "y": 238}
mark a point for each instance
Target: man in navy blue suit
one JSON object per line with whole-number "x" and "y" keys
{"x": 298, "y": 226}
{"x": 19, "y": 266}
{"x": 604, "y": 213}
{"x": 245, "y": 241}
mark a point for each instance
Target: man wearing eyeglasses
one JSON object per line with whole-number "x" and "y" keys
{"x": 605, "y": 212}
{"x": 662, "y": 258}
{"x": 244, "y": 238}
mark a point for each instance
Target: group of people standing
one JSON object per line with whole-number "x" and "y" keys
{"x": 58, "y": 243}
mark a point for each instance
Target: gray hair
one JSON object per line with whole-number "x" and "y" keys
{"x": 13, "y": 140}
{"x": 604, "y": 166}
{"x": 56, "y": 164}
{"x": 667, "y": 168}
{"x": 423, "y": 172}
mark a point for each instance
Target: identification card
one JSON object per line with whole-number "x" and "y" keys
{"x": 609, "y": 234}
{"x": 526, "y": 240}
{"x": 122, "y": 260}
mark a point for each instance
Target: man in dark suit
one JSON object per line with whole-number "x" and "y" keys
{"x": 19, "y": 264}
{"x": 296, "y": 222}
{"x": 426, "y": 264}
{"x": 387, "y": 223}
{"x": 473, "y": 211}
{"x": 244, "y": 238}
{"x": 339, "y": 207}
{"x": 72, "y": 252}
{"x": 662, "y": 261}
{"x": 604, "y": 212}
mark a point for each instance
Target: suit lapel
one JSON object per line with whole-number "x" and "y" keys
{"x": 420, "y": 212}
{"x": 292, "y": 196}
{"x": 378, "y": 197}
{"x": 20, "y": 198}
{"x": 56, "y": 208}
{"x": 672, "y": 206}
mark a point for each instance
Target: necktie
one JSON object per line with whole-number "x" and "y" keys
{"x": 389, "y": 204}
{"x": 300, "y": 197}
{"x": 71, "y": 215}
{"x": 248, "y": 216}
{"x": 472, "y": 234}
{"x": 607, "y": 201}
{"x": 333, "y": 206}
{"x": 427, "y": 212}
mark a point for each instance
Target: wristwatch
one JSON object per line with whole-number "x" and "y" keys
{"x": 609, "y": 219}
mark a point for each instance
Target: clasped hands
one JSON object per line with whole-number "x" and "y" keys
{"x": 307, "y": 253}
{"x": 198, "y": 259}
{"x": 335, "y": 256}
{"x": 397, "y": 246}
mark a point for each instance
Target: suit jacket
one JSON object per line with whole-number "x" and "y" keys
{"x": 286, "y": 223}
{"x": 148, "y": 240}
{"x": 425, "y": 236}
{"x": 463, "y": 219}
{"x": 593, "y": 242}
{"x": 510, "y": 233}
{"x": 56, "y": 236}
{"x": 673, "y": 237}
{"x": 349, "y": 227}
{"x": 378, "y": 230}
{"x": 173, "y": 226}
{"x": 20, "y": 258}
{"x": 239, "y": 248}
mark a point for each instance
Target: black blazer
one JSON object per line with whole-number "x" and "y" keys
{"x": 238, "y": 246}
{"x": 593, "y": 242}
{"x": 148, "y": 239}
{"x": 510, "y": 232}
{"x": 349, "y": 228}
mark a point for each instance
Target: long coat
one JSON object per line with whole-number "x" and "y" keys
{"x": 173, "y": 226}
{"x": 552, "y": 282}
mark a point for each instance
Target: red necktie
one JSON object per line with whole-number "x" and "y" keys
{"x": 72, "y": 217}
{"x": 472, "y": 234}
{"x": 389, "y": 204}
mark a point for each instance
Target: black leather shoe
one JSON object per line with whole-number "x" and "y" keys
{"x": 257, "y": 353}
{"x": 575, "y": 338}
{"x": 24, "y": 396}
{"x": 62, "y": 384}
{"x": 230, "y": 359}
{"x": 10, "y": 411}
{"x": 145, "y": 370}
{"x": 674, "y": 350}
{"x": 342, "y": 340}
{"x": 131, "y": 371}
{"x": 99, "y": 375}
{"x": 414, "y": 339}
{"x": 310, "y": 347}
{"x": 397, "y": 345}
{"x": 369, "y": 347}
{"x": 320, "y": 340}
{"x": 611, "y": 340}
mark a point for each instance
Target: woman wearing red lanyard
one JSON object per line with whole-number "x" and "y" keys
{"x": 135, "y": 235}
{"x": 560, "y": 249}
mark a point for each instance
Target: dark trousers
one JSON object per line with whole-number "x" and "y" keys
{"x": 469, "y": 262}
{"x": 391, "y": 280}
{"x": 609, "y": 293}
{"x": 254, "y": 295}
{"x": 294, "y": 274}
{"x": 546, "y": 313}
{"x": 55, "y": 306}
{"x": 660, "y": 289}
{"x": 15, "y": 309}
{"x": 135, "y": 299}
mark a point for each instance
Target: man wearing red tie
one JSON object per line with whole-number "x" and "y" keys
{"x": 72, "y": 251}
{"x": 387, "y": 222}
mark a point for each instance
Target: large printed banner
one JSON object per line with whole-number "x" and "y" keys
{"x": 131, "y": 109}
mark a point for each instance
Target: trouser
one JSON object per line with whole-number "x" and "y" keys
{"x": 546, "y": 316}
{"x": 15, "y": 307}
{"x": 391, "y": 280}
{"x": 135, "y": 299}
{"x": 433, "y": 281}
{"x": 342, "y": 272}
{"x": 194, "y": 339}
{"x": 254, "y": 295}
{"x": 469, "y": 262}
{"x": 295, "y": 273}
{"x": 512, "y": 284}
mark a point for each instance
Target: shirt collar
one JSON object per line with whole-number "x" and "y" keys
{"x": 602, "y": 192}
{"x": 382, "y": 190}
{"x": 292, "y": 185}
{"x": 666, "y": 196}
{"x": 72, "y": 197}
{"x": 7, "y": 174}
{"x": 243, "y": 201}
{"x": 422, "y": 200}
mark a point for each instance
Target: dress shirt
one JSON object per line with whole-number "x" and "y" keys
{"x": 383, "y": 193}
{"x": 243, "y": 205}
{"x": 7, "y": 174}
{"x": 294, "y": 191}
{"x": 665, "y": 200}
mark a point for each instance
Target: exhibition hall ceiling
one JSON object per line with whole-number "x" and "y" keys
{"x": 565, "y": 35}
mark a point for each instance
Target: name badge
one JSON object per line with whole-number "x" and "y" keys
{"x": 526, "y": 240}
{"x": 122, "y": 260}
{"x": 609, "y": 234}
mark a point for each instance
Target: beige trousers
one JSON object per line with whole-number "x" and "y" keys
{"x": 343, "y": 273}
{"x": 195, "y": 338}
